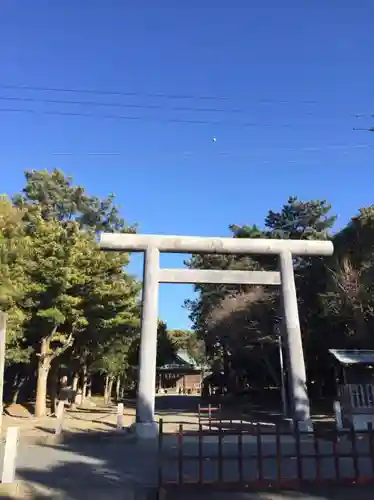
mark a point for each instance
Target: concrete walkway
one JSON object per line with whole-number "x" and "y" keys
{"x": 97, "y": 468}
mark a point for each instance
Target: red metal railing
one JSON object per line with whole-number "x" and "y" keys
{"x": 259, "y": 459}
{"x": 209, "y": 415}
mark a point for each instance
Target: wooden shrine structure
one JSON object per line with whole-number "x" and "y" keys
{"x": 181, "y": 376}
{"x": 354, "y": 374}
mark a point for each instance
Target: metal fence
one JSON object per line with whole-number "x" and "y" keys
{"x": 263, "y": 458}
{"x": 358, "y": 395}
{"x": 210, "y": 415}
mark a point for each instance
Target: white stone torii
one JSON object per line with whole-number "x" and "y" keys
{"x": 152, "y": 245}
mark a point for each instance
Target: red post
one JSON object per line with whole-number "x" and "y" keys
{"x": 160, "y": 453}
{"x": 200, "y": 453}
{"x": 240, "y": 455}
{"x": 355, "y": 454}
{"x": 278, "y": 453}
{"x": 317, "y": 456}
{"x": 371, "y": 445}
{"x": 336, "y": 455}
{"x": 220, "y": 456}
{"x": 298, "y": 452}
{"x": 180, "y": 454}
{"x": 259, "y": 453}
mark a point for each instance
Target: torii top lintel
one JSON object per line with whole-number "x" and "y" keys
{"x": 198, "y": 244}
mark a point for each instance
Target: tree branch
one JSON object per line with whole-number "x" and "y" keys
{"x": 52, "y": 334}
{"x": 60, "y": 350}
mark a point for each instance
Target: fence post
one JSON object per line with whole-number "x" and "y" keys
{"x": 120, "y": 416}
{"x": 180, "y": 455}
{"x": 60, "y": 417}
{"x": 160, "y": 456}
{"x": 371, "y": 445}
{"x": 10, "y": 455}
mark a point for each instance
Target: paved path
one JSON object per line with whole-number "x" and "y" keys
{"x": 96, "y": 466}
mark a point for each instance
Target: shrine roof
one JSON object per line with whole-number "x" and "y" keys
{"x": 353, "y": 356}
{"x": 182, "y": 360}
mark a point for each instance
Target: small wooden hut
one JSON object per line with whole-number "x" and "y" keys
{"x": 354, "y": 374}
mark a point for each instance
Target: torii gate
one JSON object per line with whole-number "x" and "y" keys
{"x": 152, "y": 245}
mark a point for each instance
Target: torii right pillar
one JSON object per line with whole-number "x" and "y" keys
{"x": 292, "y": 336}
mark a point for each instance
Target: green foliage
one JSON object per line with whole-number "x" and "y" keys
{"x": 57, "y": 198}
{"x": 300, "y": 220}
{"x": 64, "y": 298}
{"x": 234, "y": 320}
{"x": 166, "y": 347}
{"x": 190, "y": 342}
{"x": 67, "y": 303}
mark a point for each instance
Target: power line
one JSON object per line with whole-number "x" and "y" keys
{"x": 112, "y": 92}
{"x": 308, "y": 149}
{"x": 129, "y": 117}
{"x": 145, "y": 94}
{"x": 117, "y": 104}
{"x": 145, "y": 118}
{"x": 133, "y": 106}
{"x": 121, "y": 105}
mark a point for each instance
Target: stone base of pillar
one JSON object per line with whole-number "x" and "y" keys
{"x": 303, "y": 425}
{"x": 145, "y": 430}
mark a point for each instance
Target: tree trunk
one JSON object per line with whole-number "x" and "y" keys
{"x": 361, "y": 329}
{"x": 118, "y": 388}
{"x": 89, "y": 388}
{"x": 106, "y": 389}
{"x": 110, "y": 389}
{"x": 84, "y": 385}
{"x": 44, "y": 365}
{"x": 74, "y": 384}
{"x": 53, "y": 386}
{"x": 18, "y": 386}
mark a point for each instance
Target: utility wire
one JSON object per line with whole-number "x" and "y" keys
{"x": 128, "y": 117}
{"x": 99, "y": 104}
{"x": 146, "y": 118}
{"x": 139, "y": 105}
{"x": 117, "y": 104}
{"x": 145, "y": 94}
{"x": 310, "y": 149}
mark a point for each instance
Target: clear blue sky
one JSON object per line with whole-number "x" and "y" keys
{"x": 294, "y": 74}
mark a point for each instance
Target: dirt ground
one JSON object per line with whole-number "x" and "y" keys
{"x": 89, "y": 418}
{"x": 95, "y": 416}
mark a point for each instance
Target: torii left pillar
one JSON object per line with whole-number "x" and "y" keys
{"x": 145, "y": 419}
